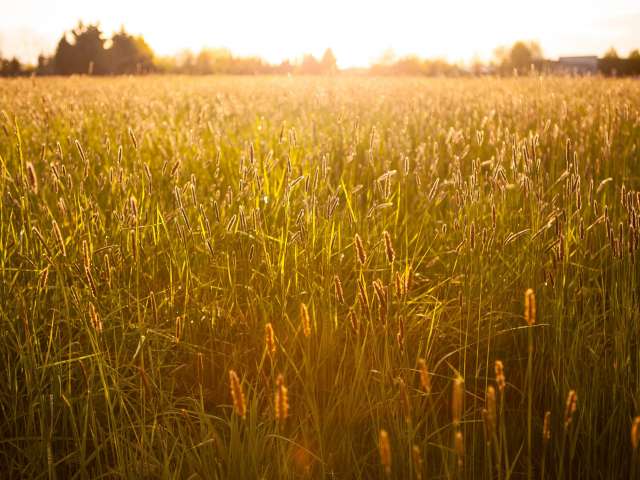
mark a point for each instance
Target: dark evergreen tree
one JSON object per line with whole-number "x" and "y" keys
{"x": 129, "y": 55}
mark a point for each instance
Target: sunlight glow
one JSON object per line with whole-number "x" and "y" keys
{"x": 358, "y": 31}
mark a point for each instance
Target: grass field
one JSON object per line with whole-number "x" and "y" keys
{"x": 196, "y": 281}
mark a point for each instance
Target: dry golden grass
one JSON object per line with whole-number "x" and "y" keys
{"x": 373, "y": 241}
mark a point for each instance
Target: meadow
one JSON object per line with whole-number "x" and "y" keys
{"x": 285, "y": 277}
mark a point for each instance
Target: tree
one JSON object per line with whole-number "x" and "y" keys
{"x": 213, "y": 60}
{"x": 328, "y": 62}
{"x": 63, "y": 63}
{"x": 310, "y": 65}
{"x": 634, "y": 55}
{"x": 85, "y": 54}
{"x": 501, "y": 54}
{"x": 205, "y": 62}
{"x": 520, "y": 57}
{"x": 410, "y": 65}
{"x": 10, "y": 68}
{"x": 611, "y": 53}
{"x": 89, "y": 52}
{"x": 477, "y": 67}
{"x": 536, "y": 50}
{"x": 388, "y": 57}
{"x": 185, "y": 62}
{"x": 285, "y": 67}
{"x": 45, "y": 65}
{"x": 128, "y": 55}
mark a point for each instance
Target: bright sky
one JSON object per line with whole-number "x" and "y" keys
{"x": 357, "y": 31}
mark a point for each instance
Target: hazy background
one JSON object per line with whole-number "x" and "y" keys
{"x": 357, "y": 31}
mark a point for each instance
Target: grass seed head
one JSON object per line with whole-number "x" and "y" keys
{"x": 457, "y": 399}
{"x": 237, "y": 395}
{"x": 305, "y": 320}
{"x": 425, "y": 376}
{"x": 86, "y": 255}
{"x": 338, "y": 289}
{"x": 199, "y": 367}
{"x": 81, "y": 152}
{"x": 459, "y": 448}
{"x": 43, "y": 279}
{"x": 269, "y": 339}
{"x": 179, "y": 327}
{"x": 635, "y": 433}
{"x": 134, "y": 245}
{"x": 95, "y": 318}
{"x": 133, "y": 138}
{"x": 353, "y": 321}
{"x": 360, "y": 252}
{"x": 530, "y": 307}
{"x": 381, "y": 293}
{"x": 363, "y": 299}
{"x": 416, "y": 457}
{"x": 58, "y": 234}
{"x": 388, "y": 244}
{"x": 570, "y": 408}
{"x": 399, "y": 286}
{"x": 546, "y": 427}
{"x": 32, "y": 178}
{"x": 281, "y": 400}
{"x": 491, "y": 416}
{"x": 408, "y": 280}
{"x": 133, "y": 207}
{"x": 92, "y": 283}
{"x": 500, "y": 378}
{"x": 384, "y": 447}
{"x": 400, "y": 335}
{"x": 405, "y": 400}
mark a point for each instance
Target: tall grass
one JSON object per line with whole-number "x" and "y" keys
{"x": 276, "y": 278}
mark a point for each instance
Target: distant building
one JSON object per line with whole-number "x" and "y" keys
{"x": 578, "y": 65}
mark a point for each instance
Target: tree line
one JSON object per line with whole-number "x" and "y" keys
{"x": 85, "y": 50}
{"x": 612, "y": 64}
